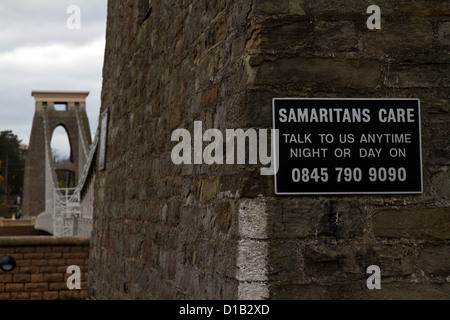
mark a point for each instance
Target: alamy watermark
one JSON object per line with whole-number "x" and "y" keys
{"x": 374, "y": 21}
{"x": 374, "y": 281}
{"x": 74, "y": 281}
{"x": 73, "y": 22}
{"x": 222, "y": 147}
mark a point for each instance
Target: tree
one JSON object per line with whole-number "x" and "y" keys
{"x": 12, "y": 157}
{"x": 1, "y": 177}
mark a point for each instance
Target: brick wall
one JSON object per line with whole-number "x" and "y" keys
{"x": 19, "y": 227}
{"x": 219, "y": 232}
{"x": 42, "y": 263}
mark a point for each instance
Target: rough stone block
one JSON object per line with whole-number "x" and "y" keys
{"x": 251, "y": 260}
{"x": 395, "y": 260}
{"x": 285, "y": 261}
{"x": 355, "y": 8}
{"x": 416, "y": 223}
{"x": 342, "y": 219}
{"x": 431, "y": 7}
{"x": 282, "y": 291}
{"x": 333, "y": 36}
{"x": 418, "y": 76}
{"x": 405, "y": 35}
{"x": 444, "y": 34}
{"x": 253, "y": 219}
{"x": 441, "y": 184}
{"x": 320, "y": 73}
{"x": 334, "y": 263}
{"x": 271, "y": 7}
{"x": 253, "y": 291}
{"x": 435, "y": 260}
{"x": 209, "y": 188}
{"x": 285, "y": 33}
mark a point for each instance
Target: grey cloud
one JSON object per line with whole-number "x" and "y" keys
{"x": 39, "y": 52}
{"x": 28, "y": 23}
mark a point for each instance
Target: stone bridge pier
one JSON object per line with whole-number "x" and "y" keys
{"x": 71, "y": 115}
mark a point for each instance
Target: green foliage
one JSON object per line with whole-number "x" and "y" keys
{"x": 12, "y": 157}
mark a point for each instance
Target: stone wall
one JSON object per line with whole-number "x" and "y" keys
{"x": 166, "y": 231}
{"x": 41, "y": 266}
{"x": 320, "y": 247}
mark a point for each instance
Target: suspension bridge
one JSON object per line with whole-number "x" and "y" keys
{"x": 63, "y": 207}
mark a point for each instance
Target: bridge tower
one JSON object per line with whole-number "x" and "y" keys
{"x": 40, "y": 168}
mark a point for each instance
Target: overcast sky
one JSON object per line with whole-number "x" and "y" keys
{"x": 39, "y": 52}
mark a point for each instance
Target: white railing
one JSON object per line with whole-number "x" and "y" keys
{"x": 70, "y": 209}
{"x": 66, "y": 209}
{"x": 73, "y": 210}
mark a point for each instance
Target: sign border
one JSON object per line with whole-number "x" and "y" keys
{"x": 350, "y": 193}
{"x": 104, "y": 124}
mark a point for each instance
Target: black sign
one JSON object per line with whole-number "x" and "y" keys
{"x": 348, "y": 146}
